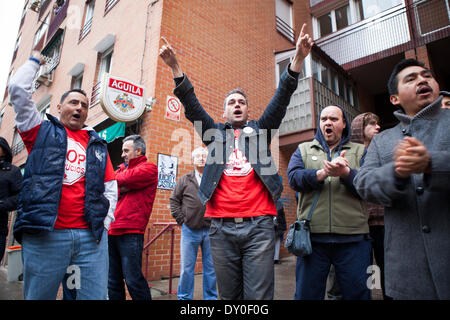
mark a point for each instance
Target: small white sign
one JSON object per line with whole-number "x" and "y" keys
{"x": 173, "y": 109}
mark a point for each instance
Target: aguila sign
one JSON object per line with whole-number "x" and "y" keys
{"x": 121, "y": 99}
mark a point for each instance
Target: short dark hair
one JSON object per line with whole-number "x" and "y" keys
{"x": 393, "y": 80}
{"x": 65, "y": 94}
{"x": 238, "y": 90}
{"x": 138, "y": 142}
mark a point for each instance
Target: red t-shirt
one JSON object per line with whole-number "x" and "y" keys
{"x": 240, "y": 192}
{"x": 71, "y": 205}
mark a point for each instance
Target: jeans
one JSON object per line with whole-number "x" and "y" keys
{"x": 191, "y": 239}
{"x": 125, "y": 262}
{"x": 48, "y": 256}
{"x": 350, "y": 260}
{"x": 243, "y": 258}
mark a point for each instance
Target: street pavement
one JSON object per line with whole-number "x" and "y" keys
{"x": 284, "y": 285}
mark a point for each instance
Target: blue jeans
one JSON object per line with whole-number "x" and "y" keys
{"x": 243, "y": 258}
{"x": 48, "y": 256}
{"x": 191, "y": 239}
{"x": 125, "y": 262}
{"x": 350, "y": 260}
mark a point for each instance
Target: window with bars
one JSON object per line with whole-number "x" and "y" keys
{"x": 88, "y": 17}
{"x": 109, "y": 5}
{"x": 284, "y": 23}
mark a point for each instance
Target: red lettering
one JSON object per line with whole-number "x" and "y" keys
{"x": 81, "y": 158}
{"x": 72, "y": 154}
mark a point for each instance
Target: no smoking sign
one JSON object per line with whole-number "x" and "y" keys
{"x": 173, "y": 109}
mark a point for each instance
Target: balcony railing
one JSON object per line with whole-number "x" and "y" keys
{"x": 110, "y": 4}
{"x": 85, "y": 30}
{"x": 299, "y": 112}
{"x": 17, "y": 148}
{"x": 285, "y": 29}
{"x": 381, "y": 32}
{"x": 324, "y": 96}
{"x": 390, "y": 32}
{"x": 95, "y": 96}
{"x": 57, "y": 19}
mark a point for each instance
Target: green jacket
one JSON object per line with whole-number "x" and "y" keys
{"x": 339, "y": 209}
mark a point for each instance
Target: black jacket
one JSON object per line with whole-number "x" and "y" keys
{"x": 10, "y": 185}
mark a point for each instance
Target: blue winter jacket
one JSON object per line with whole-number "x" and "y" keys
{"x": 42, "y": 184}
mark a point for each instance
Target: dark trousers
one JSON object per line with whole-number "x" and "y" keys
{"x": 243, "y": 258}
{"x": 125, "y": 263}
{"x": 350, "y": 260}
{"x": 377, "y": 235}
{"x": 2, "y": 245}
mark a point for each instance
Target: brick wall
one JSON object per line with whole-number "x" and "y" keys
{"x": 221, "y": 45}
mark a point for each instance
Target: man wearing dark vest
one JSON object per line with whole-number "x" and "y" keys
{"x": 68, "y": 197}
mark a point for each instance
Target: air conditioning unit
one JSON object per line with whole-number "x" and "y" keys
{"x": 35, "y": 5}
{"x": 44, "y": 77}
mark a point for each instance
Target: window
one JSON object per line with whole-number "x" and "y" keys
{"x": 105, "y": 63}
{"x": 88, "y": 16}
{"x": 282, "y": 61}
{"x": 41, "y": 31}
{"x": 43, "y": 111}
{"x": 77, "y": 81}
{"x": 53, "y": 51}
{"x": 283, "y": 11}
{"x": 370, "y": 8}
{"x": 1, "y": 116}
{"x": 17, "y": 144}
{"x": 16, "y": 47}
{"x": 432, "y": 15}
{"x": 333, "y": 20}
{"x": 325, "y": 25}
{"x": 329, "y": 77}
{"x": 342, "y": 17}
{"x": 110, "y": 4}
{"x": 105, "y": 67}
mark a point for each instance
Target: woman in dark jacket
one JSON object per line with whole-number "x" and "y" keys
{"x": 10, "y": 185}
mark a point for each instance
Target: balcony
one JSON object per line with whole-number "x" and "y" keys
{"x": 305, "y": 106}
{"x": 388, "y": 33}
{"x": 381, "y": 32}
{"x": 57, "y": 19}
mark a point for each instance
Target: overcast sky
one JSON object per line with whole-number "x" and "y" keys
{"x": 10, "y": 14}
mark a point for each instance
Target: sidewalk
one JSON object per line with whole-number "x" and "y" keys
{"x": 284, "y": 285}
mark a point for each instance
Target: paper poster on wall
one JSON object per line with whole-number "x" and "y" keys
{"x": 167, "y": 171}
{"x": 173, "y": 109}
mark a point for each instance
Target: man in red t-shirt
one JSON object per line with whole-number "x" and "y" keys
{"x": 237, "y": 187}
{"x": 63, "y": 212}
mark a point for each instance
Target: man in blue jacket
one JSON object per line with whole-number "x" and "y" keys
{"x": 240, "y": 183}
{"x": 68, "y": 197}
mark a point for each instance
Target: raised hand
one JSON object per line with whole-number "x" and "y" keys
{"x": 302, "y": 49}
{"x": 167, "y": 53}
{"x": 37, "y": 55}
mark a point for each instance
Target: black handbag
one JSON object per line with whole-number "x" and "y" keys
{"x": 298, "y": 239}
